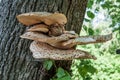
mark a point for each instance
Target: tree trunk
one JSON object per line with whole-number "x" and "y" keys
{"x": 16, "y": 61}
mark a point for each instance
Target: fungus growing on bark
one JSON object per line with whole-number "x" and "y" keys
{"x": 43, "y": 50}
{"x": 66, "y": 41}
{"x": 81, "y": 40}
{"x": 42, "y": 17}
{"x": 52, "y": 41}
{"x": 54, "y": 21}
{"x": 39, "y": 28}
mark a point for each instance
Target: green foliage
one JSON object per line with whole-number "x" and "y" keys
{"x": 87, "y": 20}
{"x": 98, "y": 1}
{"x": 90, "y": 14}
{"x": 48, "y": 64}
{"x": 113, "y": 8}
{"x": 118, "y": 1}
{"x": 90, "y": 3}
{"x": 107, "y": 4}
{"x": 85, "y": 68}
{"x": 61, "y": 74}
{"x": 107, "y": 65}
{"x": 90, "y": 31}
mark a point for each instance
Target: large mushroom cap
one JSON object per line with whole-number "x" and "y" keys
{"x": 43, "y": 50}
{"x": 53, "y": 41}
{"x": 42, "y": 17}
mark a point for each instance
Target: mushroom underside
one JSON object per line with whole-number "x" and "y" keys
{"x": 43, "y": 50}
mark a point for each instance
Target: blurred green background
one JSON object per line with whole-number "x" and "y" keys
{"x": 102, "y": 17}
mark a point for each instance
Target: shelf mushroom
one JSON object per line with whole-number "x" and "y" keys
{"x": 52, "y": 41}
{"x": 53, "y": 23}
{"x": 66, "y": 41}
{"x": 45, "y": 51}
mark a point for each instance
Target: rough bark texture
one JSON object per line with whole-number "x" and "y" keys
{"x": 16, "y": 62}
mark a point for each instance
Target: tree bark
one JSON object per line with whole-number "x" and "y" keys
{"x": 16, "y": 61}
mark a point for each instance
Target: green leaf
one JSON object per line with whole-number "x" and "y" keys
{"x": 82, "y": 71}
{"x": 85, "y": 69}
{"x": 65, "y": 78}
{"x": 90, "y": 3}
{"x": 107, "y": 4}
{"x": 97, "y": 9}
{"x": 98, "y": 1}
{"x": 117, "y": 0}
{"x": 90, "y": 31}
{"x": 85, "y": 28}
{"x": 60, "y": 72}
{"x": 87, "y": 20}
{"x": 90, "y": 14}
{"x": 67, "y": 74}
{"x": 48, "y": 64}
{"x": 91, "y": 69}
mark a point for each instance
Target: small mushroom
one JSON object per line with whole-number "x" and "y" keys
{"x": 42, "y": 17}
{"x": 56, "y": 30}
{"x": 45, "y": 51}
{"x": 39, "y": 28}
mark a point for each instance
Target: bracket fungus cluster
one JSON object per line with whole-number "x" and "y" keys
{"x": 51, "y": 40}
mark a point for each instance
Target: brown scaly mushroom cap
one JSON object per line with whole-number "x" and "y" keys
{"x": 43, "y": 50}
{"x": 39, "y": 28}
{"x": 42, "y": 17}
{"x": 53, "y": 41}
{"x": 66, "y": 41}
{"x": 82, "y": 40}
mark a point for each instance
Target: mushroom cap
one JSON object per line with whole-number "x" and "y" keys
{"x": 45, "y": 51}
{"x": 82, "y": 40}
{"x": 53, "y": 41}
{"x": 42, "y": 17}
{"x": 39, "y": 28}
